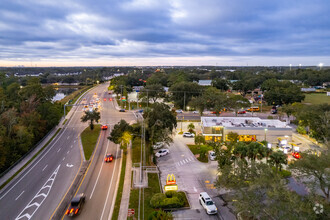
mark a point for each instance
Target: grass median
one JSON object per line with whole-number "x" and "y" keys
{"x": 27, "y": 163}
{"x": 153, "y": 188}
{"x": 120, "y": 188}
{"x": 200, "y": 151}
{"x": 89, "y": 139}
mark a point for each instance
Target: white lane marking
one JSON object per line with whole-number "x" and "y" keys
{"x": 189, "y": 159}
{"x": 33, "y": 165}
{"x": 63, "y": 158}
{"x": 181, "y": 163}
{"x": 59, "y": 150}
{"x": 74, "y": 141}
{"x": 97, "y": 179}
{"x": 67, "y": 152}
{"x": 19, "y": 195}
{"x": 195, "y": 189}
{"x": 71, "y": 146}
{"x": 68, "y": 137}
{"x": 43, "y": 192}
{"x": 106, "y": 201}
{"x": 45, "y": 167}
{"x": 186, "y": 160}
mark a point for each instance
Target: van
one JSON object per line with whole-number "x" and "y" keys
{"x": 207, "y": 203}
{"x": 253, "y": 109}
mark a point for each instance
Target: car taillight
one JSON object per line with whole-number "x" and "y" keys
{"x": 76, "y": 211}
{"x": 67, "y": 212}
{"x": 105, "y": 159}
{"x": 111, "y": 158}
{"x": 71, "y": 210}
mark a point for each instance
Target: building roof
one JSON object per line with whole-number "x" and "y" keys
{"x": 248, "y": 122}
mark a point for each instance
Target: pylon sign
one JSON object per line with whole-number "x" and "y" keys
{"x": 170, "y": 183}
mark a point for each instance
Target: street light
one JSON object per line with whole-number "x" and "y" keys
{"x": 320, "y": 65}
{"x": 266, "y": 134}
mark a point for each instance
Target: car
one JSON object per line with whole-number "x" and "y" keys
{"x": 207, "y": 203}
{"x": 296, "y": 155}
{"x": 188, "y": 134}
{"x": 179, "y": 111}
{"x": 139, "y": 111}
{"x": 273, "y": 110}
{"x": 104, "y": 127}
{"x": 108, "y": 158}
{"x": 215, "y": 112}
{"x": 162, "y": 152}
{"x": 212, "y": 155}
{"x": 158, "y": 145}
{"x": 241, "y": 112}
{"x": 110, "y": 99}
{"x": 285, "y": 148}
{"x": 195, "y": 112}
{"x": 122, "y": 110}
{"x": 104, "y": 99}
{"x": 76, "y": 205}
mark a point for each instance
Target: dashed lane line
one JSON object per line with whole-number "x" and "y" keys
{"x": 45, "y": 167}
{"x": 59, "y": 150}
{"x": 19, "y": 195}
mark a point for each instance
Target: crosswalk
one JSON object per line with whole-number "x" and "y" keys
{"x": 185, "y": 161}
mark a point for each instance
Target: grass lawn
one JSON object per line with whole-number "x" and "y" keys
{"x": 120, "y": 189}
{"x": 136, "y": 152}
{"x": 197, "y": 149}
{"x": 316, "y": 98}
{"x": 89, "y": 140}
{"x": 153, "y": 188}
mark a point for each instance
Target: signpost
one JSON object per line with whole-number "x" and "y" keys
{"x": 131, "y": 212}
{"x": 170, "y": 183}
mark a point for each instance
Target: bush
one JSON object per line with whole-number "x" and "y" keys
{"x": 270, "y": 117}
{"x": 301, "y": 130}
{"x": 157, "y": 200}
{"x": 283, "y": 173}
{"x": 160, "y": 215}
{"x": 173, "y": 202}
{"x": 202, "y": 155}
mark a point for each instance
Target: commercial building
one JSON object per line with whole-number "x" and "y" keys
{"x": 248, "y": 129}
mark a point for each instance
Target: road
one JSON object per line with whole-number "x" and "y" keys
{"x": 38, "y": 190}
{"x": 193, "y": 177}
{"x": 101, "y": 179}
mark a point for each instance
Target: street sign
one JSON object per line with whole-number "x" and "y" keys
{"x": 131, "y": 212}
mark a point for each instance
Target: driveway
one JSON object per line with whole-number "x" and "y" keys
{"x": 192, "y": 177}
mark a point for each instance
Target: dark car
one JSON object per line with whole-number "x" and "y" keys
{"x": 76, "y": 205}
{"x": 108, "y": 158}
{"x": 274, "y": 110}
{"x": 122, "y": 110}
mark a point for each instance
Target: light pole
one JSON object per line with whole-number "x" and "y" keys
{"x": 266, "y": 134}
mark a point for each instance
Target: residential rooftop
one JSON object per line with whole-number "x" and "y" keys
{"x": 249, "y": 122}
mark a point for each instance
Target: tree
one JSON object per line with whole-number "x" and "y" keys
{"x": 191, "y": 128}
{"x": 198, "y": 103}
{"x": 125, "y": 139}
{"x": 237, "y": 102}
{"x": 183, "y": 92}
{"x": 277, "y": 158}
{"x": 91, "y": 117}
{"x": 117, "y": 133}
{"x": 316, "y": 168}
{"x": 153, "y": 91}
{"x": 220, "y": 84}
{"x": 199, "y": 139}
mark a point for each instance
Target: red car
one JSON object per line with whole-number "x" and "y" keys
{"x": 241, "y": 112}
{"x": 215, "y": 112}
{"x": 104, "y": 127}
{"x": 110, "y": 99}
{"x": 108, "y": 158}
{"x": 296, "y": 155}
{"x": 104, "y": 99}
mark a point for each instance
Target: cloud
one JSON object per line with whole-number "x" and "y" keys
{"x": 106, "y": 29}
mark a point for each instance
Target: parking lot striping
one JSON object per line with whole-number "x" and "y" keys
{"x": 106, "y": 201}
{"x": 45, "y": 167}
{"x": 97, "y": 179}
{"x": 71, "y": 146}
{"x": 20, "y": 195}
{"x": 63, "y": 158}
{"x": 33, "y": 165}
{"x": 68, "y": 137}
{"x": 74, "y": 141}
{"x": 59, "y": 150}
{"x": 67, "y": 152}
{"x": 48, "y": 186}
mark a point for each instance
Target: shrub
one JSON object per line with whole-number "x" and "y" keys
{"x": 270, "y": 117}
{"x": 202, "y": 154}
{"x": 173, "y": 202}
{"x": 283, "y": 173}
{"x": 157, "y": 200}
{"x": 160, "y": 214}
{"x": 301, "y": 130}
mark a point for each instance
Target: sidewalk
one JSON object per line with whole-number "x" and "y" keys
{"x": 124, "y": 204}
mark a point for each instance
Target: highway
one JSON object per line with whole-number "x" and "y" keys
{"x": 39, "y": 189}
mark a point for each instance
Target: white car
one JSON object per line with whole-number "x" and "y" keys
{"x": 207, "y": 203}
{"x": 162, "y": 152}
{"x": 285, "y": 149}
{"x": 158, "y": 145}
{"x": 188, "y": 134}
{"x": 212, "y": 155}
{"x": 179, "y": 111}
{"x": 195, "y": 112}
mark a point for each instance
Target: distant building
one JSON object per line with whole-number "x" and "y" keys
{"x": 308, "y": 89}
{"x": 204, "y": 82}
{"x": 248, "y": 129}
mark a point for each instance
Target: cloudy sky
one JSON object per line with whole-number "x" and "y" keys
{"x": 164, "y": 32}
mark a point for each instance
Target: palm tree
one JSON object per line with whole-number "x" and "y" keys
{"x": 91, "y": 116}
{"x": 240, "y": 150}
{"x": 191, "y": 128}
{"x": 278, "y": 158}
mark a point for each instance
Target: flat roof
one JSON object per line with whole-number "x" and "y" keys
{"x": 249, "y": 122}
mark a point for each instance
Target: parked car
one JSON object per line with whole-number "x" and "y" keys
{"x": 76, "y": 205}
{"x": 296, "y": 155}
{"x": 158, "y": 145}
{"x": 179, "y": 111}
{"x": 139, "y": 111}
{"x": 188, "y": 134}
{"x": 122, "y": 110}
{"x": 287, "y": 148}
{"x": 273, "y": 110}
{"x": 212, "y": 155}
{"x": 207, "y": 203}
{"x": 162, "y": 152}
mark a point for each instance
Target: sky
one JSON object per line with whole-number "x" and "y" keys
{"x": 164, "y": 32}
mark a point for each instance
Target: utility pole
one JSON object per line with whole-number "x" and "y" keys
{"x": 184, "y": 101}
{"x": 148, "y": 98}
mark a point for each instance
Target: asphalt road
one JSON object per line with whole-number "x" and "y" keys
{"x": 39, "y": 189}
{"x": 100, "y": 182}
